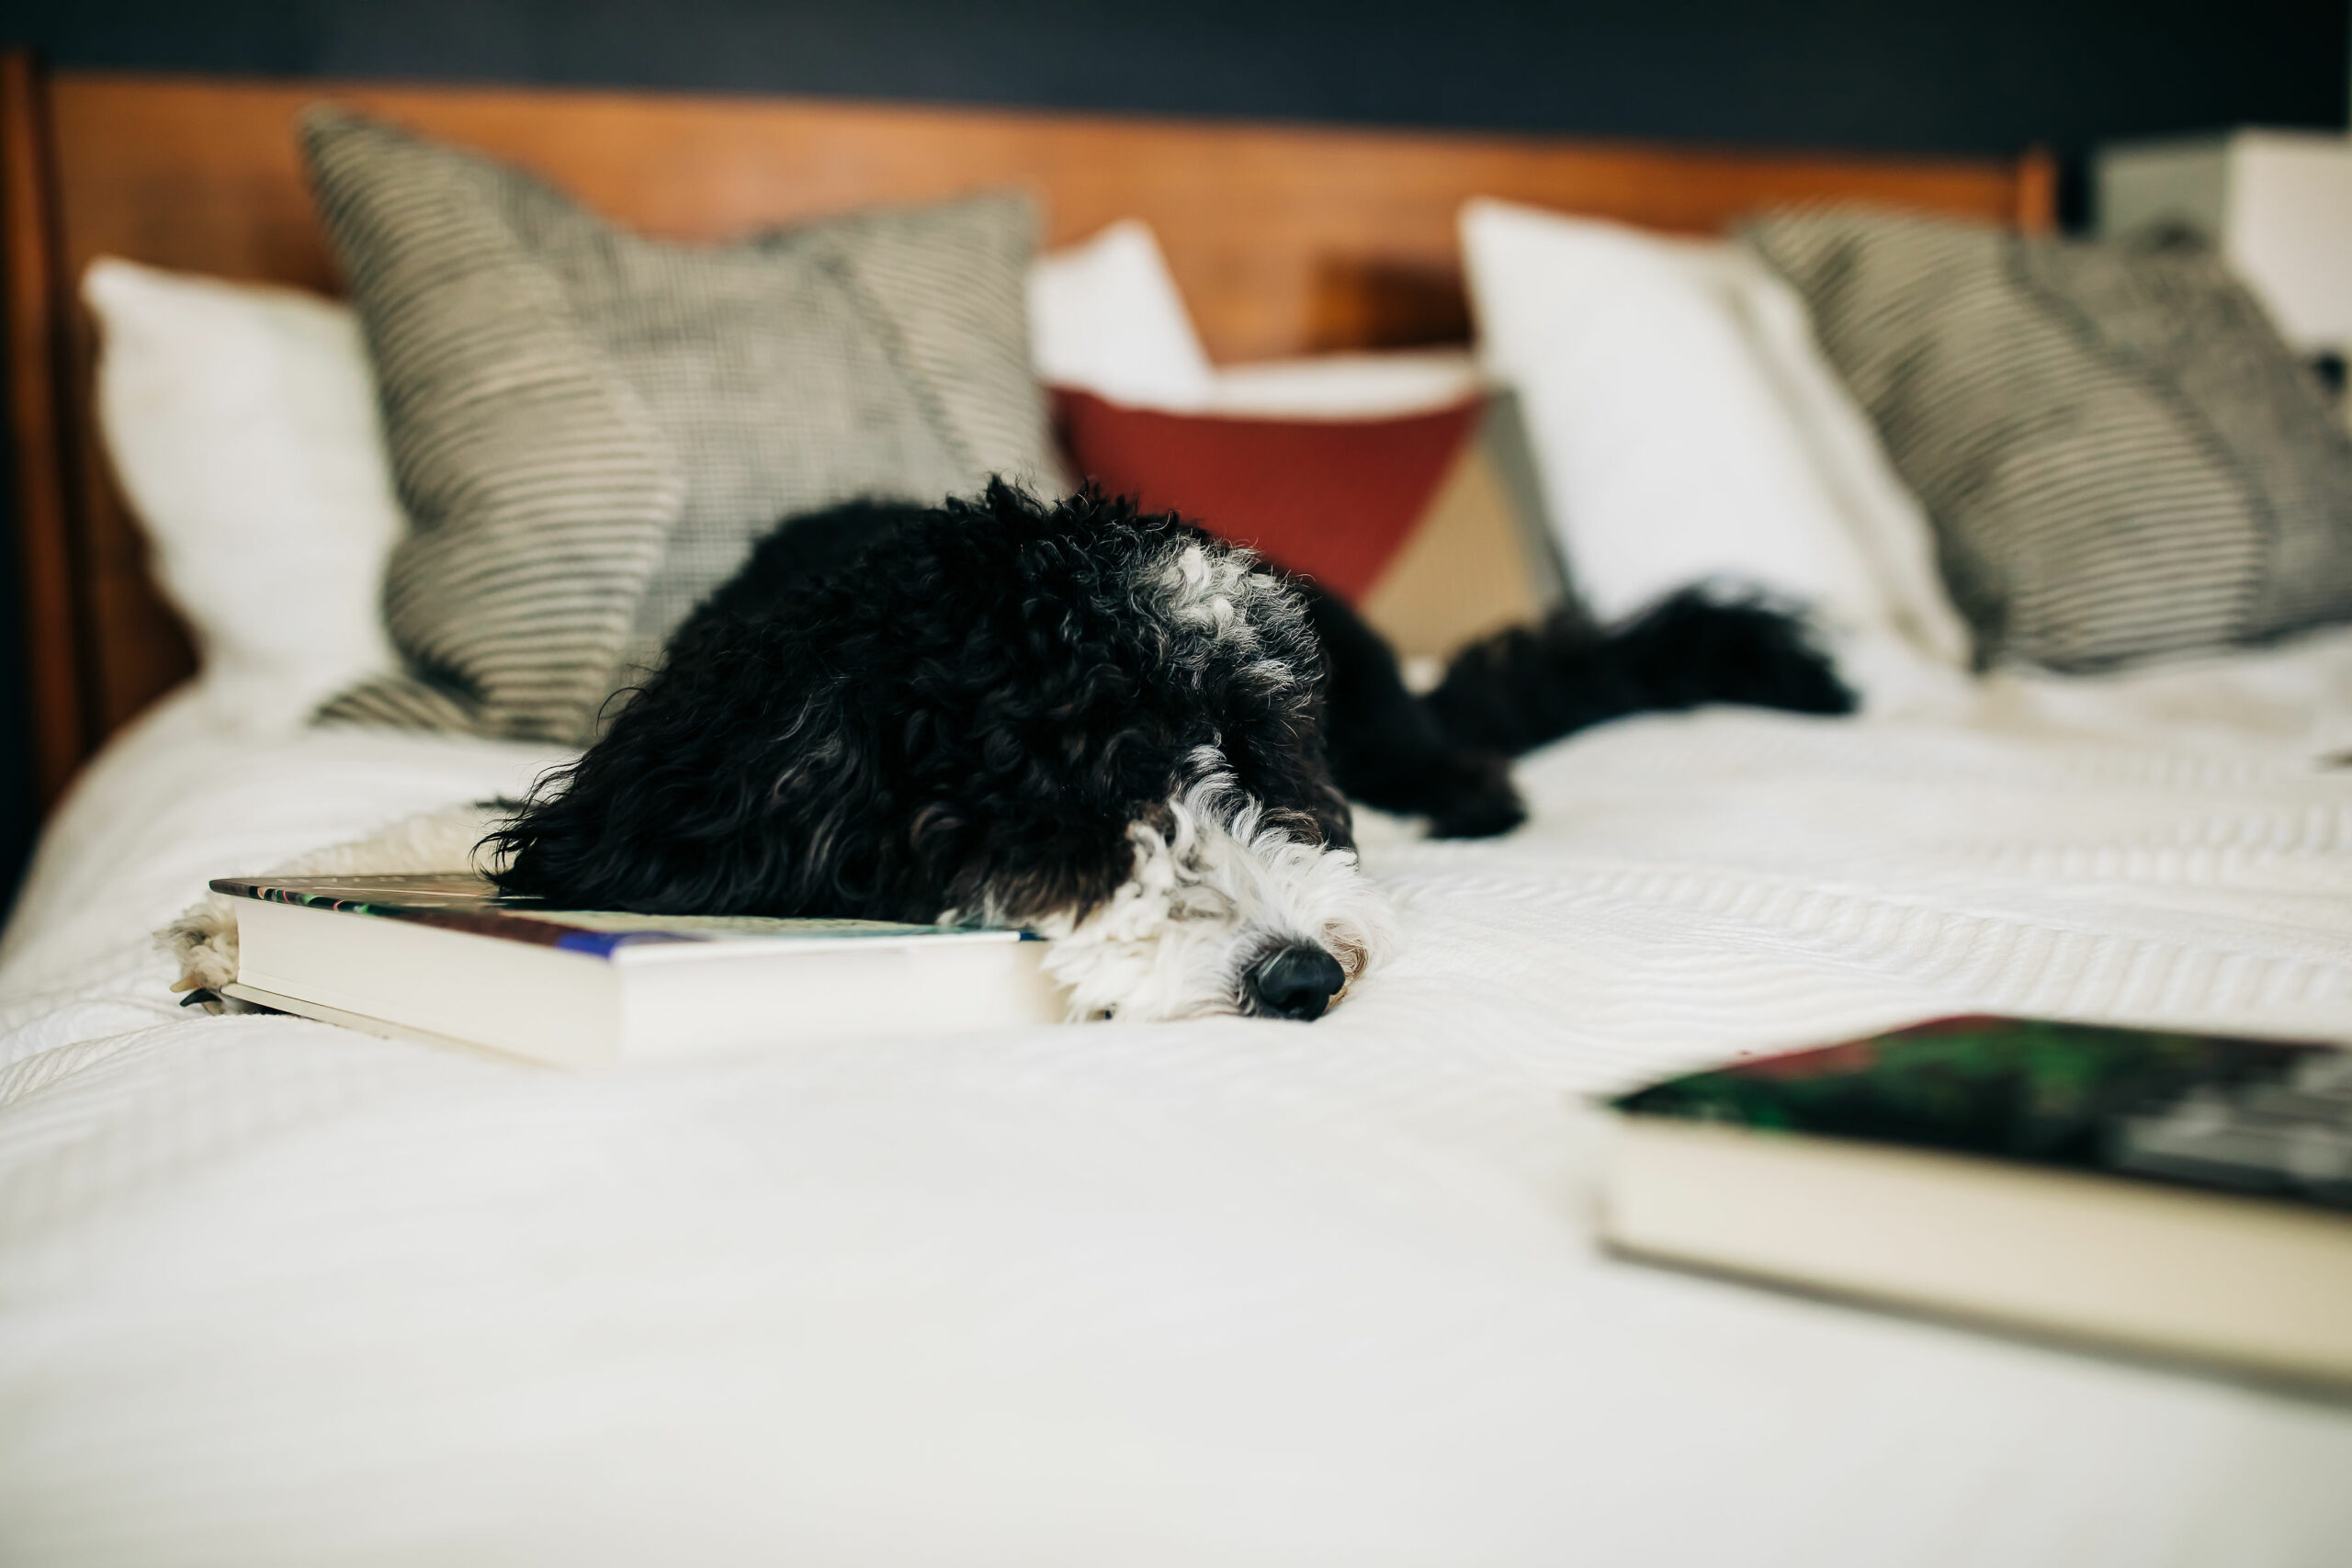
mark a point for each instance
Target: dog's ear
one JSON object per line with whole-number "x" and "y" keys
{"x": 845, "y": 757}
{"x": 1273, "y": 711}
{"x": 737, "y": 782}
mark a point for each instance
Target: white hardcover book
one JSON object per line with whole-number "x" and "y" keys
{"x": 443, "y": 957}
{"x": 2183, "y": 1195}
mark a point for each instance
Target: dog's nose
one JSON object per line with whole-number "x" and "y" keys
{"x": 1295, "y": 982}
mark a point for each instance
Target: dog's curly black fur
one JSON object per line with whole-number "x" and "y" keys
{"x": 894, "y": 711}
{"x": 1076, "y": 716}
{"x": 1528, "y": 685}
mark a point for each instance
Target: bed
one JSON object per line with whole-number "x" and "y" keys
{"x": 1212, "y": 1292}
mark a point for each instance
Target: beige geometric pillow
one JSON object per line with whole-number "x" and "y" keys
{"x": 590, "y": 428}
{"x": 2122, "y": 459}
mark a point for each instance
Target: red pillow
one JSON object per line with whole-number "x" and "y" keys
{"x": 1333, "y": 498}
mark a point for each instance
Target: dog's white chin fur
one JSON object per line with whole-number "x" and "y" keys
{"x": 1210, "y": 896}
{"x": 1213, "y": 891}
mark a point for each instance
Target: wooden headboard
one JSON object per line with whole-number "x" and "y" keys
{"x": 1285, "y": 239}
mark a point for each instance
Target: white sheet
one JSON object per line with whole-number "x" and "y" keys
{"x": 1230, "y": 1291}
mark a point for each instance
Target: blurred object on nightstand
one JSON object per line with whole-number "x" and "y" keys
{"x": 2278, "y": 203}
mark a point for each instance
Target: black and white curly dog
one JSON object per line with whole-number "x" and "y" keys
{"x": 1107, "y": 726}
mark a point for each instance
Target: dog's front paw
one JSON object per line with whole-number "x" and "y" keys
{"x": 204, "y": 943}
{"x": 204, "y": 939}
{"x": 1472, "y": 797}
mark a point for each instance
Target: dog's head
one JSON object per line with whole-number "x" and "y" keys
{"x": 1101, "y": 726}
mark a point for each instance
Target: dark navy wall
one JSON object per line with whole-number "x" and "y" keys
{"x": 1974, "y": 75}
{"x": 1914, "y": 75}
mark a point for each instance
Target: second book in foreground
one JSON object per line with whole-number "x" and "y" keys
{"x": 2184, "y": 1194}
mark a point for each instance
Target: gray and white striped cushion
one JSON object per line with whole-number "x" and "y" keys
{"x": 590, "y": 427}
{"x": 2122, "y": 459}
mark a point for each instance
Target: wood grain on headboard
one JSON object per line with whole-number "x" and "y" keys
{"x": 1285, "y": 239}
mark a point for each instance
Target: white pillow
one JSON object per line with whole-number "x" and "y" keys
{"x": 1685, "y": 429}
{"x": 242, "y": 423}
{"x": 1105, "y": 317}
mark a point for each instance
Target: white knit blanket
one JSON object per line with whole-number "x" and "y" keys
{"x": 273, "y": 1294}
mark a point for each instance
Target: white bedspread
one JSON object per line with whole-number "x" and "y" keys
{"x": 1225, "y": 1291}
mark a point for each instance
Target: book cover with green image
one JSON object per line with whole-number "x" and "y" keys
{"x": 2254, "y": 1116}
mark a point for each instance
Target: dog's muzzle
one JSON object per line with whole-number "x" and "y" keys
{"x": 1294, "y": 982}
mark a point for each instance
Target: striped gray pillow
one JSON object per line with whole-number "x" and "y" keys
{"x": 2122, "y": 459}
{"x": 590, "y": 428}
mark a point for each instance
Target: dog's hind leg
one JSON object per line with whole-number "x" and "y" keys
{"x": 1388, "y": 750}
{"x": 1521, "y": 688}
{"x": 203, "y": 939}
